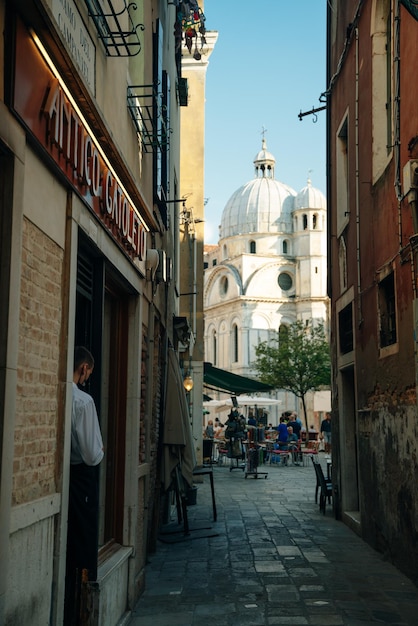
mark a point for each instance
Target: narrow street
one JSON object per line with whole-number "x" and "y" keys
{"x": 271, "y": 558}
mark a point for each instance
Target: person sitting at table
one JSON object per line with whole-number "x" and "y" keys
{"x": 219, "y": 431}
{"x": 282, "y": 440}
{"x": 313, "y": 437}
{"x": 271, "y": 433}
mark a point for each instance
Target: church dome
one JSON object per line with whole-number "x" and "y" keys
{"x": 263, "y": 205}
{"x": 310, "y": 198}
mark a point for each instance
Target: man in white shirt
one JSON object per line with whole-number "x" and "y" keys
{"x": 83, "y": 505}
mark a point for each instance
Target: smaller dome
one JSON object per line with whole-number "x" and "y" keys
{"x": 310, "y": 198}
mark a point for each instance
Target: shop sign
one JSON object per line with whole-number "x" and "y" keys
{"x": 52, "y": 115}
{"x": 79, "y": 43}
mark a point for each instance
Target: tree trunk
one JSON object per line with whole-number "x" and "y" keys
{"x": 306, "y": 418}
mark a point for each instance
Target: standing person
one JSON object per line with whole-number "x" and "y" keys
{"x": 326, "y": 432}
{"x": 83, "y": 504}
{"x": 295, "y": 424}
{"x": 296, "y": 418}
{"x": 283, "y": 434}
{"x": 209, "y": 430}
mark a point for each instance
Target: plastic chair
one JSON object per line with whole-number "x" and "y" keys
{"x": 222, "y": 454}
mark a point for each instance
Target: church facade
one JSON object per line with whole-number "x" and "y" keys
{"x": 268, "y": 270}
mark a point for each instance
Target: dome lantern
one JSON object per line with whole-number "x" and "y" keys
{"x": 264, "y": 162}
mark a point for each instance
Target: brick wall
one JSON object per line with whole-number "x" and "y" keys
{"x": 37, "y": 387}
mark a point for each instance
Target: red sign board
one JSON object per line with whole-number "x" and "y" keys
{"x": 47, "y": 108}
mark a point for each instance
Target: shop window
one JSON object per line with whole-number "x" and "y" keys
{"x": 387, "y": 311}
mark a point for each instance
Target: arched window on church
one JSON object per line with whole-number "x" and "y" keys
{"x": 214, "y": 348}
{"x": 235, "y": 354}
{"x": 285, "y": 247}
{"x": 225, "y": 252}
{"x": 315, "y": 221}
{"x": 305, "y": 221}
{"x": 253, "y": 247}
{"x": 283, "y": 332}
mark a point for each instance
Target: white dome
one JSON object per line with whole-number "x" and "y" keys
{"x": 310, "y": 198}
{"x": 263, "y": 205}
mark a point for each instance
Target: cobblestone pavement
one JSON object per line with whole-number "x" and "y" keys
{"x": 275, "y": 559}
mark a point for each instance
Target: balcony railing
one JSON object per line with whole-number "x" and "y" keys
{"x": 149, "y": 117}
{"x": 116, "y": 28}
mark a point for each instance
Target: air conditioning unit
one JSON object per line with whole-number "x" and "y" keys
{"x": 410, "y": 176}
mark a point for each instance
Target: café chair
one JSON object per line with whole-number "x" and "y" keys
{"x": 323, "y": 485}
{"x": 207, "y": 451}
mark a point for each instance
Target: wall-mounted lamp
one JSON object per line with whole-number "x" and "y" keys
{"x": 151, "y": 263}
{"x": 188, "y": 383}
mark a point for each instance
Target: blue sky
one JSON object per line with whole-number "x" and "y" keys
{"x": 268, "y": 64}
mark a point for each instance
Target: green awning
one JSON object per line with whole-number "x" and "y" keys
{"x": 221, "y": 380}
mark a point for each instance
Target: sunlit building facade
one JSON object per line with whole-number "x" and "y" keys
{"x": 268, "y": 270}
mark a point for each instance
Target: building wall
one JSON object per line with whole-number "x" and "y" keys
{"x": 374, "y": 395}
{"x": 191, "y": 226}
{"x": 36, "y": 431}
{"x": 48, "y": 224}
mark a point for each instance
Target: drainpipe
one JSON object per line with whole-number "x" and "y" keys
{"x": 357, "y": 200}
{"x": 397, "y": 108}
{"x": 397, "y": 121}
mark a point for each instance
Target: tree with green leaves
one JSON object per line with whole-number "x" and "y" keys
{"x": 297, "y": 360}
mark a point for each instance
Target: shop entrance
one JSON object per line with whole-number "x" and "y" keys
{"x": 101, "y": 325}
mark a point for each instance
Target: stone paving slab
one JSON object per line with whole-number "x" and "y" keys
{"x": 275, "y": 560}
